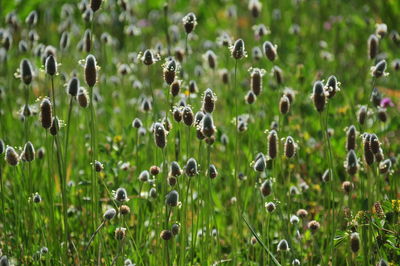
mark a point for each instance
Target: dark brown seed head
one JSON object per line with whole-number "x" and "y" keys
{"x": 212, "y": 171}
{"x": 260, "y": 163}
{"x": 379, "y": 69}
{"x": 313, "y": 226}
{"x": 270, "y": 206}
{"x": 91, "y": 71}
{"x": 224, "y": 76}
{"x": 284, "y": 105}
{"x": 189, "y": 22}
{"x": 375, "y": 144}
{"x": 169, "y": 71}
{"x": 28, "y": 154}
{"x": 362, "y": 115}
{"x": 73, "y": 86}
{"x": 198, "y": 118}
{"x": 160, "y": 135}
{"x": 256, "y": 53}
{"x": 51, "y": 65}
{"x": 188, "y": 117}
{"x": 166, "y": 235}
{"x": 175, "y": 170}
{"x": 347, "y": 186}
{"x": 193, "y": 86}
{"x": 208, "y": 101}
{"x": 278, "y": 74}
{"x": 148, "y": 57}
{"x": 120, "y": 233}
{"x": 266, "y": 188}
{"x": 2, "y": 147}
{"x": 55, "y": 126}
{"x": 95, "y": 5}
{"x": 177, "y": 113}
{"x": 290, "y": 147}
{"x": 83, "y": 97}
{"x": 250, "y": 97}
{"x": 98, "y": 166}
{"x": 368, "y": 154}
{"x": 153, "y": 193}
{"x": 41, "y": 153}
{"x": 272, "y": 144}
{"x": 351, "y": 163}
{"x": 207, "y": 125}
{"x": 354, "y": 242}
{"x": 11, "y": 156}
{"x": 109, "y": 214}
{"x": 318, "y": 96}
{"x": 137, "y": 123}
{"x": 32, "y": 18}
{"x": 302, "y": 213}
{"x": 64, "y": 41}
{"x": 270, "y": 51}
{"x": 144, "y": 176}
{"x": 332, "y": 86}
{"x": 175, "y": 88}
{"x": 124, "y": 210}
{"x": 146, "y": 105}
{"x": 167, "y": 124}
{"x": 121, "y": 195}
{"x": 46, "y": 113}
{"x": 351, "y": 134}
{"x": 154, "y": 170}
{"x": 256, "y": 81}
{"x": 172, "y": 198}
{"x": 86, "y": 41}
{"x": 376, "y": 97}
{"x": 26, "y": 71}
{"x": 255, "y": 8}
{"x": 283, "y": 246}
{"x": 237, "y": 50}
{"x": 175, "y": 228}
{"x": 172, "y": 180}
{"x": 211, "y": 59}
{"x": 382, "y": 115}
{"x": 191, "y": 167}
{"x": 373, "y": 46}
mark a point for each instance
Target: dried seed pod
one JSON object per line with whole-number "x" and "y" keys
{"x": 255, "y": 7}
{"x": 378, "y": 70}
{"x": 121, "y": 195}
{"x": 175, "y": 88}
{"x": 332, "y": 86}
{"x": 189, "y": 22}
{"x": 313, "y": 226}
{"x": 51, "y": 65}
{"x": 260, "y": 163}
{"x": 290, "y": 147}
{"x": 91, "y": 71}
{"x": 326, "y": 176}
{"x": 188, "y": 117}
{"x": 175, "y": 228}
{"x": 351, "y": 134}
{"x": 191, "y": 167}
{"x": 270, "y": 206}
{"x": 362, "y": 115}
{"x": 64, "y": 41}
{"x": 144, "y": 176}
{"x": 137, "y": 123}
{"x": 160, "y": 135}
{"x": 302, "y": 213}
{"x": 83, "y": 97}
{"x": 283, "y": 245}
{"x": 373, "y": 46}
{"x": 26, "y": 71}
{"x": 266, "y": 188}
{"x": 207, "y": 125}
{"x": 382, "y": 115}
{"x": 237, "y": 50}
{"x": 166, "y": 235}
{"x": 46, "y": 113}
{"x": 384, "y": 166}
{"x": 109, "y": 214}
{"x": 284, "y": 105}
{"x": 120, "y": 233}
{"x": 73, "y": 86}
{"x": 98, "y": 166}
{"x": 55, "y": 126}
{"x": 351, "y": 163}
{"x": 172, "y": 198}
{"x": 272, "y": 144}
{"x": 212, "y": 171}
{"x": 368, "y": 154}
{"x": 169, "y": 71}
{"x": 175, "y": 170}
{"x": 95, "y": 5}
{"x": 177, "y": 113}
{"x": 354, "y": 242}
{"x": 28, "y": 154}
{"x": 208, "y": 101}
{"x": 270, "y": 51}
{"x": 319, "y": 96}
{"x": 347, "y": 186}
{"x": 11, "y": 156}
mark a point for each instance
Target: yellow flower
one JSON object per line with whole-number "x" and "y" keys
{"x": 117, "y": 139}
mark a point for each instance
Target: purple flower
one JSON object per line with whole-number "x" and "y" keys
{"x": 385, "y": 102}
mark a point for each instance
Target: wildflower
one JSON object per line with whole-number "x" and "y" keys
{"x": 189, "y": 22}
{"x": 73, "y": 86}
{"x": 294, "y": 219}
{"x": 51, "y": 65}
{"x": 212, "y": 171}
{"x": 266, "y": 188}
{"x": 373, "y": 46}
{"x": 26, "y": 71}
{"x": 256, "y": 75}
{"x": 290, "y": 147}
{"x": 347, "y": 186}
{"x": 166, "y": 235}
{"x": 260, "y": 163}
{"x": 238, "y": 50}
{"x": 378, "y": 70}
{"x": 172, "y": 198}
{"x": 11, "y": 156}
{"x": 175, "y": 228}
{"x": 283, "y": 245}
{"x": 332, "y": 86}
{"x": 191, "y": 167}
{"x": 160, "y": 135}
{"x": 284, "y": 105}
{"x": 109, "y": 214}
{"x": 272, "y": 144}
{"x": 121, "y": 195}
{"x": 302, "y": 213}
{"x": 354, "y": 242}
{"x": 169, "y": 71}
{"x": 255, "y": 7}
{"x": 319, "y": 96}
{"x": 207, "y": 125}
{"x": 120, "y": 233}
{"x": 313, "y": 226}
{"x": 209, "y": 101}
{"x": 83, "y": 97}
{"x": 270, "y": 206}
{"x": 28, "y": 154}
{"x": 144, "y": 176}
{"x": 270, "y": 50}
{"x": 90, "y": 70}
{"x": 46, "y": 113}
